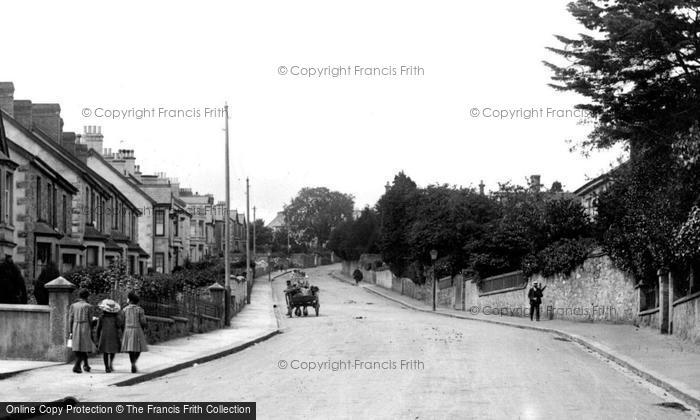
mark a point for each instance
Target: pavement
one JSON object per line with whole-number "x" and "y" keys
{"x": 48, "y": 381}
{"x": 366, "y": 356}
{"x": 664, "y": 360}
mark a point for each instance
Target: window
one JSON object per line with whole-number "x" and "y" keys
{"x": 86, "y": 205}
{"x": 92, "y": 208}
{"x": 43, "y": 256}
{"x": 66, "y": 221}
{"x": 160, "y": 222}
{"x": 101, "y": 216}
{"x": 68, "y": 262}
{"x": 133, "y": 228}
{"x": 159, "y": 261}
{"x": 54, "y": 207}
{"x": 113, "y": 205}
{"x": 176, "y": 226}
{"x": 7, "y": 198}
{"x": 38, "y": 198}
{"x": 92, "y": 254}
{"x": 122, "y": 216}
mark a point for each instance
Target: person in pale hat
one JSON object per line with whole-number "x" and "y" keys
{"x": 107, "y": 333}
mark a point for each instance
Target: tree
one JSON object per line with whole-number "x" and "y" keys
{"x": 314, "y": 212}
{"x": 640, "y": 71}
{"x": 395, "y": 210}
{"x": 281, "y": 239}
{"x": 537, "y": 233}
{"x": 263, "y": 235}
{"x": 639, "y": 217}
{"x": 352, "y": 238}
{"x": 446, "y": 218}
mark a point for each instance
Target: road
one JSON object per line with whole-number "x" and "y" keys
{"x": 398, "y": 363}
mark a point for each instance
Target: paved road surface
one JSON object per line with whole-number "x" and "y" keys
{"x": 451, "y": 369}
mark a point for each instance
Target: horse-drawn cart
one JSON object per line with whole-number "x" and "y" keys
{"x": 300, "y": 296}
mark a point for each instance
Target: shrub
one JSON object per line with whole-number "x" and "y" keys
{"x": 49, "y": 273}
{"x": 688, "y": 237}
{"x": 562, "y": 256}
{"x": 90, "y": 278}
{"x": 12, "y": 287}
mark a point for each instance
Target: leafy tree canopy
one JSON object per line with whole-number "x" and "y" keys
{"x": 314, "y": 212}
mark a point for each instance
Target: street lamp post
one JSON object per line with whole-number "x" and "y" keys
{"x": 433, "y": 257}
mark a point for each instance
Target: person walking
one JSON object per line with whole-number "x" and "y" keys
{"x": 80, "y": 322}
{"x": 535, "y": 295}
{"x": 357, "y": 275}
{"x": 107, "y": 333}
{"x": 134, "y": 340}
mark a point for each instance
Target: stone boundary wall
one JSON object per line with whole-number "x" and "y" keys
{"x": 24, "y": 331}
{"x": 686, "y": 318}
{"x": 594, "y": 292}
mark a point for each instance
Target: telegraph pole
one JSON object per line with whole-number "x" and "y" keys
{"x": 248, "y": 278}
{"x": 255, "y": 248}
{"x": 227, "y": 226}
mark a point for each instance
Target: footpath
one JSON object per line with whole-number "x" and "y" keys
{"x": 664, "y": 360}
{"x": 49, "y": 381}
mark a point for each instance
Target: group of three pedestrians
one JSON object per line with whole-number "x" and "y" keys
{"x": 131, "y": 320}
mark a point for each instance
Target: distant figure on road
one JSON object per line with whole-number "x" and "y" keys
{"x": 134, "y": 340}
{"x": 535, "y": 295}
{"x": 80, "y": 322}
{"x": 357, "y": 275}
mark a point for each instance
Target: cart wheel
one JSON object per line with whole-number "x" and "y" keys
{"x": 306, "y": 311}
{"x": 297, "y": 312}
{"x": 317, "y": 307}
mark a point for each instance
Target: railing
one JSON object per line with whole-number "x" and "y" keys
{"x": 506, "y": 281}
{"x": 185, "y": 304}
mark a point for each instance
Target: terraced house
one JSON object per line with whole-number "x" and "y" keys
{"x": 62, "y": 211}
{"x": 201, "y": 207}
{"x": 171, "y": 239}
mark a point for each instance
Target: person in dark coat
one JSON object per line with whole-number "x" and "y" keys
{"x": 80, "y": 323}
{"x": 107, "y": 332}
{"x": 535, "y": 295}
{"x": 357, "y": 275}
{"x": 134, "y": 340}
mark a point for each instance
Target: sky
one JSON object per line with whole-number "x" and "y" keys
{"x": 316, "y": 90}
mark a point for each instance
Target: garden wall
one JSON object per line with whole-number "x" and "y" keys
{"x": 594, "y": 292}
{"x": 686, "y": 318}
{"x": 24, "y": 331}
{"x": 163, "y": 329}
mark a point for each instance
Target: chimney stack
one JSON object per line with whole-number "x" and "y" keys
{"x": 68, "y": 142}
{"x": 92, "y": 137}
{"x": 129, "y": 160}
{"x": 47, "y": 118}
{"x": 7, "y": 95}
{"x": 23, "y": 113}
